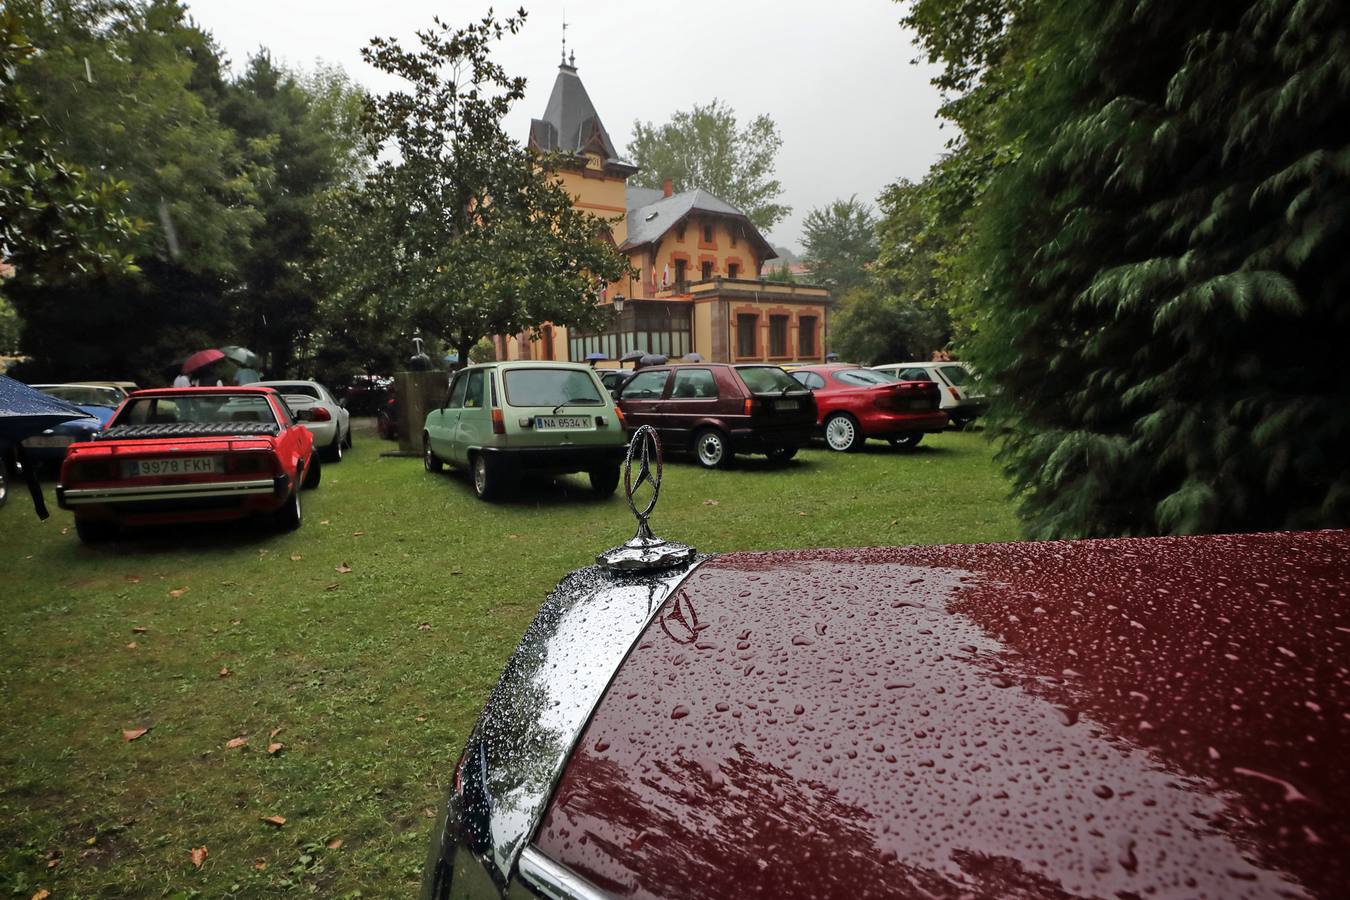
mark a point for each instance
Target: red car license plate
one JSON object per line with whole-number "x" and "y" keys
{"x": 178, "y": 465}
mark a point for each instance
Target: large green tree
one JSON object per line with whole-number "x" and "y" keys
{"x": 873, "y": 325}
{"x": 129, "y": 90}
{"x": 466, "y": 233}
{"x": 706, "y": 148}
{"x": 56, "y": 220}
{"x": 1164, "y": 246}
{"x": 302, "y": 138}
{"x": 839, "y": 241}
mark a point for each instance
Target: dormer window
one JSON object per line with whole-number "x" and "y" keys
{"x": 707, "y": 234}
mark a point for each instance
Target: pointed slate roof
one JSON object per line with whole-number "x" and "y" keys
{"x": 648, "y": 222}
{"x": 570, "y": 123}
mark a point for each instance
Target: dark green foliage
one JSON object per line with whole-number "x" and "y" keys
{"x": 873, "y": 326}
{"x": 301, "y": 140}
{"x": 56, "y": 220}
{"x": 705, "y": 148}
{"x": 1166, "y": 310}
{"x": 840, "y": 242}
{"x": 466, "y": 233}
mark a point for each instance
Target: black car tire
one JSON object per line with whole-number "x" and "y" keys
{"x": 334, "y": 453}
{"x": 604, "y": 480}
{"x": 95, "y": 531}
{"x": 289, "y": 517}
{"x": 314, "y": 472}
{"x": 430, "y": 461}
{"x": 843, "y": 433}
{"x": 712, "y": 449}
{"x": 348, "y": 440}
{"x": 486, "y": 477}
{"x": 4, "y": 483}
{"x": 907, "y": 442}
{"x": 781, "y": 454}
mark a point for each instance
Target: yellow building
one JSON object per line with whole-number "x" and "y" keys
{"x": 698, "y": 261}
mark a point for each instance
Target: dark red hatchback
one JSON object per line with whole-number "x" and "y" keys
{"x": 716, "y": 410}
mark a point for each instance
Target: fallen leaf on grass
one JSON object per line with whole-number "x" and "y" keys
{"x": 425, "y": 626}
{"x": 263, "y": 552}
{"x": 271, "y": 735}
{"x": 334, "y": 844}
{"x": 133, "y": 579}
{"x": 342, "y": 569}
{"x": 65, "y": 530}
{"x": 711, "y": 502}
{"x": 419, "y": 718}
{"x": 323, "y": 521}
{"x": 229, "y": 584}
{"x": 332, "y": 587}
{"x": 197, "y": 855}
{"x": 296, "y": 557}
{"x": 514, "y": 537}
{"x": 235, "y": 742}
{"x": 139, "y": 629}
{"x": 801, "y": 513}
{"x": 894, "y": 522}
{"x": 236, "y": 621}
{"x": 224, "y": 672}
{"x": 357, "y": 533}
{"x": 276, "y": 821}
{"x": 274, "y": 748}
{"x": 130, "y": 734}
{"x": 178, "y": 592}
{"x": 259, "y": 864}
{"x": 456, "y": 572}
{"x": 132, "y": 645}
{"x": 429, "y": 813}
{"x": 42, "y": 894}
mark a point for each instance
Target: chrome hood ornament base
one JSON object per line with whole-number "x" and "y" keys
{"x": 644, "y": 552}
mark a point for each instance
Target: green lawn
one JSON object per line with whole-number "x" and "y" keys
{"x": 373, "y": 676}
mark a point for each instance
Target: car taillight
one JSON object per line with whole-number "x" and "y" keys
{"x": 956, "y": 395}
{"x": 749, "y": 405}
{"x": 618, "y": 414}
{"x": 319, "y": 414}
{"x": 498, "y": 423}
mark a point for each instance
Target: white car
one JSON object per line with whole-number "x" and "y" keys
{"x": 963, "y": 400}
{"x": 315, "y": 408}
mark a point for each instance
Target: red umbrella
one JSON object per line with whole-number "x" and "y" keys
{"x": 201, "y": 359}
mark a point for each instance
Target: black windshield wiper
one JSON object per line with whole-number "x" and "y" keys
{"x": 589, "y": 401}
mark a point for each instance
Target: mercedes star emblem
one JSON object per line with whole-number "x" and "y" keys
{"x": 644, "y": 551}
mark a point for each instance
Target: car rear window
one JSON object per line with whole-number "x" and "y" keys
{"x": 956, "y": 375}
{"x": 551, "y": 387}
{"x": 297, "y": 390}
{"x": 863, "y": 377}
{"x": 85, "y": 395}
{"x": 768, "y": 380}
{"x": 204, "y": 409}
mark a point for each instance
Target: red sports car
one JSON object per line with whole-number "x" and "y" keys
{"x": 1147, "y": 717}
{"x": 190, "y": 454}
{"x": 854, "y": 404}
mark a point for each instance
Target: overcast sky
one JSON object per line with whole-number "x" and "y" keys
{"x": 853, "y": 111}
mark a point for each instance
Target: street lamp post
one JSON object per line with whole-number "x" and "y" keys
{"x": 618, "y": 303}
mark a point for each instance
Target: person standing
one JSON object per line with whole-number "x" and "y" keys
{"x": 181, "y": 380}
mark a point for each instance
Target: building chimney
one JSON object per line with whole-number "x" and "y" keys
{"x": 668, "y": 187}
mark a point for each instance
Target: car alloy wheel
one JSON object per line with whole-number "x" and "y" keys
{"x": 841, "y": 433}
{"x": 711, "y": 449}
{"x": 484, "y": 477}
{"x": 335, "y": 451}
{"x": 430, "y": 461}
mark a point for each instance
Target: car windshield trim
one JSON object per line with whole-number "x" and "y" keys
{"x": 865, "y": 377}
{"x": 216, "y": 408}
{"x": 550, "y": 388}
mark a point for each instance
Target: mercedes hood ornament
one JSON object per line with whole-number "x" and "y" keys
{"x": 644, "y": 552}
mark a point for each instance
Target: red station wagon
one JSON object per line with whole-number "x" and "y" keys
{"x": 190, "y": 455}
{"x": 856, "y": 403}
{"x": 1146, "y": 717}
{"x": 718, "y": 410}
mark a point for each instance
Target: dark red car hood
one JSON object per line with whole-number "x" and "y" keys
{"x": 1147, "y": 717}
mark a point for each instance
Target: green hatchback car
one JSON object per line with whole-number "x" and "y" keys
{"x": 499, "y": 420}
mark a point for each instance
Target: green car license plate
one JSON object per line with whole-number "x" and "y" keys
{"x": 564, "y": 423}
{"x": 181, "y": 465}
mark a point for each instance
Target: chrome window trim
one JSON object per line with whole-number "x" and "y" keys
{"x": 80, "y": 496}
{"x": 555, "y": 880}
{"x": 536, "y": 713}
